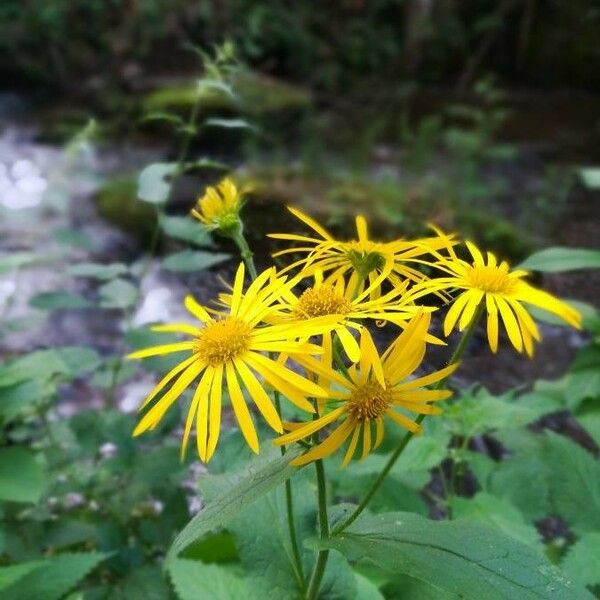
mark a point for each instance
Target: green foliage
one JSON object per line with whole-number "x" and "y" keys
{"x": 555, "y": 260}
{"x": 52, "y": 578}
{"x": 193, "y": 260}
{"x": 153, "y": 186}
{"x": 463, "y": 559}
{"x": 59, "y": 300}
{"x": 581, "y": 561}
{"x": 21, "y": 478}
{"x": 243, "y": 488}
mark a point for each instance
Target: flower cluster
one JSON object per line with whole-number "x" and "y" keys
{"x": 303, "y": 333}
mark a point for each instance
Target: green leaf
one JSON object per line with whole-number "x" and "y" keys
{"x": 574, "y": 483}
{"x": 21, "y": 478}
{"x": 497, "y": 512}
{"x": 581, "y": 561}
{"x": 559, "y": 258}
{"x": 473, "y": 562}
{"x": 254, "y": 481}
{"x": 67, "y": 361}
{"x": 193, "y": 260}
{"x": 103, "y": 272}
{"x": 477, "y": 412}
{"x": 74, "y": 238}
{"x": 590, "y": 177}
{"x": 216, "y": 582}
{"x": 152, "y": 184}
{"x": 366, "y": 589}
{"x": 16, "y": 260}
{"x": 185, "y": 228}
{"x": 118, "y": 293}
{"x": 11, "y": 574}
{"x": 59, "y": 300}
{"x": 54, "y": 577}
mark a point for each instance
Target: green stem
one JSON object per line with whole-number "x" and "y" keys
{"x": 319, "y": 570}
{"x": 456, "y": 355}
{"x": 245, "y": 252}
{"x": 289, "y": 505}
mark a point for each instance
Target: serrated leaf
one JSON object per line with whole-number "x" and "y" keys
{"x": 574, "y": 482}
{"x": 253, "y": 482}
{"x": 581, "y": 561}
{"x": 12, "y": 573}
{"x": 473, "y": 562}
{"x": 118, "y": 293}
{"x": 193, "y": 260}
{"x": 59, "y": 301}
{"x": 559, "y": 258}
{"x": 103, "y": 272}
{"x": 216, "y": 581}
{"x": 21, "y": 478}
{"x": 54, "y": 578}
{"x": 153, "y": 186}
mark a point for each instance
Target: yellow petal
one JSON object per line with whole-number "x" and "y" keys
{"x": 403, "y": 421}
{"x": 260, "y": 397}
{"x": 366, "y": 439}
{"x": 492, "y": 322}
{"x": 196, "y": 309}
{"x": 202, "y": 419}
{"x": 311, "y": 223}
{"x": 510, "y": 323}
{"x": 455, "y": 310}
{"x": 352, "y": 446}
{"x": 349, "y": 344}
{"x": 327, "y": 446}
{"x": 161, "y": 350}
{"x": 242, "y": 414}
{"x": 214, "y": 419}
{"x": 156, "y": 413}
{"x": 309, "y": 428}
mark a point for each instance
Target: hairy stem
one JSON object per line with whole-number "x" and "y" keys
{"x": 319, "y": 570}
{"x": 289, "y": 507}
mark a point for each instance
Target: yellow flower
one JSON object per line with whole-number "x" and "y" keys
{"x": 220, "y": 206}
{"x": 228, "y": 348}
{"x": 377, "y": 387}
{"x": 366, "y": 260}
{"x": 503, "y": 291}
{"x": 335, "y": 298}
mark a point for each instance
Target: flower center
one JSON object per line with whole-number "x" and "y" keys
{"x": 223, "y": 340}
{"x": 365, "y": 261}
{"x": 324, "y": 300}
{"x": 490, "y": 279}
{"x": 369, "y": 401}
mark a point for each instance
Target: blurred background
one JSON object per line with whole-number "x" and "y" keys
{"x": 481, "y": 116}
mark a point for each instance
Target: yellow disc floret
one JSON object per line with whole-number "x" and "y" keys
{"x": 223, "y": 341}
{"x": 490, "y": 279}
{"x": 369, "y": 401}
{"x": 321, "y": 301}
